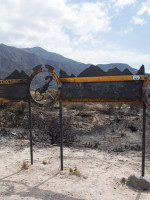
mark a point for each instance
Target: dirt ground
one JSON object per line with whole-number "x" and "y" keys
{"x": 102, "y": 141}
{"x": 101, "y": 173}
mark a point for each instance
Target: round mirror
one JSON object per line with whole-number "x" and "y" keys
{"x": 44, "y": 86}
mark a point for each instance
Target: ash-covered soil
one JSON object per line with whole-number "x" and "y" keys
{"x": 112, "y": 127}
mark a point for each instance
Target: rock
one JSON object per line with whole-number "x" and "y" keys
{"x": 13, "y": 132}
{"x": 85, "y": 177}
{"x": 44, "y": 162}
{"x": 138, "y": 182}
{"x": 62, "y": 173}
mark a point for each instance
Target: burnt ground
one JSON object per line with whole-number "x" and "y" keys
{"x": 112, "y": 127}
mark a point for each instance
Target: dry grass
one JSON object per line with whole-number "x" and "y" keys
{"x": 25, "y": 165}
{"x": 74, "y": 106}
{"x": 135, "y": 106}
{"x": 17, "y": 107}
{"x": 107, "y": 108}
{"x": 3, "y": 105}
{"x": 75, "y": 172}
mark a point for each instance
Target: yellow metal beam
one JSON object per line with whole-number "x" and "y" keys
{"x": 102, "y": 79}
{"x": 100, "y": 100}
{"x": 13, "y": 81}
{"x": 3, "y": 100}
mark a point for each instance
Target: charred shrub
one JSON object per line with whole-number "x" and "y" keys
{"x": 17, "y": 108}
{"x": 135, "y": 107}
{"x": 108, "y": 108}
{"x": 3, "y": 105}
{"x": 75, "y": 106}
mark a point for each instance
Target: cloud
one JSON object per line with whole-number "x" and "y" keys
{"x": 123, "y": 3}
{"x": 56, "y": 24}
{"x": 138, "y": 20}
{"x": 126, "y": 31}
{"x": 114, "y": 55}
{"x": 145, "y": 8}
{"x": 91, "y": 17}
{"x": 79, "y": 30}
{"x": 88, "y": 17}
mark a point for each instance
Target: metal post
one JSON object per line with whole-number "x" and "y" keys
{"x": 61, "y": 137}
{"x": 143, "y": 140}
{"x": 30, "y": 127}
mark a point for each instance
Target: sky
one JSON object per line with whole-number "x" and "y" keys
{"x": 88, "y": 31}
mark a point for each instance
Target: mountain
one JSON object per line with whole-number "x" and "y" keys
{"x": 58, "y": 58}
{"x": 68, "y": 65}
{"x": 93, "y": 71}
{"x": 120, "y": 66}
{"x": 50, "y": 55}
{"x": 12, "y": 58}
{"x": 25, "y": 59}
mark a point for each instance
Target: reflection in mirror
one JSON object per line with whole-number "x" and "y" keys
{"x": 43, "y": 88}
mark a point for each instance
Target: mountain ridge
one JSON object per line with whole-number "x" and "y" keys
{"x": 25, "y": 59}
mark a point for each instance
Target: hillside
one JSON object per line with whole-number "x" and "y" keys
{"x": 12, "y": 58}
{"x": 120, "y": 66}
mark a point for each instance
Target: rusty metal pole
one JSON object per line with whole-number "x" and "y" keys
{"x": 30, "y": 127}
{"x": 61, "y": 137}
{"x": 143, "y": 139}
